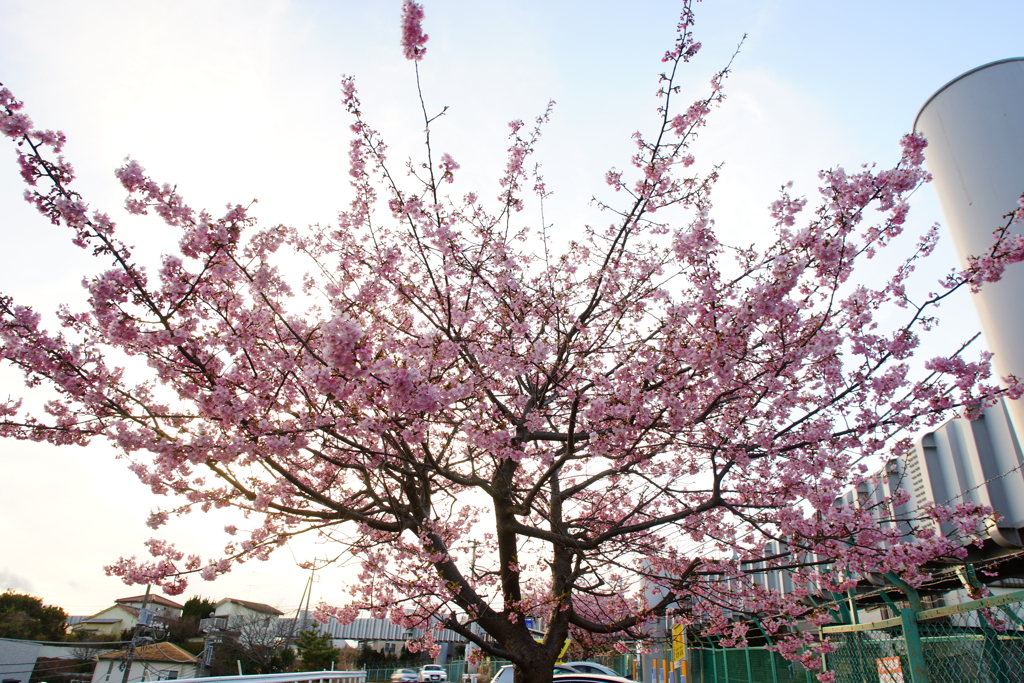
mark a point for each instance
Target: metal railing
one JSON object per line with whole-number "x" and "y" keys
{"x": 295, "y": 677}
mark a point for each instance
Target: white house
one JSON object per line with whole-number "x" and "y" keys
{"x": 235, "y": 610}
{"x": 156, "y": 662}
{"x": 124, "y": 614}
{"x": 158, "y": 604}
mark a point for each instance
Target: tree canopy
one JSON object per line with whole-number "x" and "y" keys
{"x": 595, "y": 436}
{"x": 197, "y": 607}
{"x": 25, "y": 617}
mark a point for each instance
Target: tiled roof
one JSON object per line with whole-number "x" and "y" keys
{"x": 157, "y": 652}
{"x": 254, "y": 606}
{"x": 154, "y": 599}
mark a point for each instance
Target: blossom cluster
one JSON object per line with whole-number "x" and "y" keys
{"x": 413, "y": 37}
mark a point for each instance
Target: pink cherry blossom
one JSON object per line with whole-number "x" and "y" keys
{"x": 641, "y": 424}
{"x": 413, "y": 37}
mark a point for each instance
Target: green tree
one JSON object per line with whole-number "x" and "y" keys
{"x": 315, "y": 650}
{"x": 26, "y": 617}
{"x": 197, "y": 607}
{"x": 193, "y": 611}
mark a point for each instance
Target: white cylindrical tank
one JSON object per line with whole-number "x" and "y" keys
{"x": 975, "y": 130}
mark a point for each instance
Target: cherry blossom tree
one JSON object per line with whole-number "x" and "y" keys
{"x": 593, "y": 435}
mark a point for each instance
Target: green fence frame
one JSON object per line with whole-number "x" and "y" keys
{"x": 742, "y": 665}
{"x": 980, "y": 641}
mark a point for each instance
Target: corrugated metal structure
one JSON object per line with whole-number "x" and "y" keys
{"x": 366, "y": 630}
{"x": 977, "y": 461}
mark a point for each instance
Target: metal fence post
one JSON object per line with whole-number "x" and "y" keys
{"x": 915, "y": 651}
{"x": 994, "y": 661}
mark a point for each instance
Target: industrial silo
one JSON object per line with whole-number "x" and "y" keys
{"x": 975, "y": 130}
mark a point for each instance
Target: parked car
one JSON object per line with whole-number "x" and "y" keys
{"x": 589, "y": 678}
{"x": 503, "y": 675}
{"x": 405, "y": 676}
{"x": 593, "y": 668}
{"x": 432, "y": 673}
{"x": 506, "y": 675}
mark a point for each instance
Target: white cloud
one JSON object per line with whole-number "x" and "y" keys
{"x": 11, "y": 581}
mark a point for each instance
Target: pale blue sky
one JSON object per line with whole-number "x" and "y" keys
{"x": 239, "y": 99}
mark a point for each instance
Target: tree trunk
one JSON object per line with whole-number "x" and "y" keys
{"x": 536, "y": 673}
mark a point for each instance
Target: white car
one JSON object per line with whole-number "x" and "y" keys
{"x": 588, "y": 678}
{"x": 507, "y": 675}
{"x": 593, "y": 668}
{"x": 504, "y": 675}
{"x": 433, "y": 673}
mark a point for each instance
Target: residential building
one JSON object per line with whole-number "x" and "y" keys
{"x": 235, "y": 610}
{"x": 124, "y": 615}
{"x": 156, "y": 662}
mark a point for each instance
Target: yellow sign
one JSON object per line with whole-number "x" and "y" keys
{"x": 678, "y": 642}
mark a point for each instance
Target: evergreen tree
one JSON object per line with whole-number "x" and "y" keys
{"x": 197, "y": 607}
{"x": 315, "y": 650}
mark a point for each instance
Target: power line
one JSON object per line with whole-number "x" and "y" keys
{"x": 984, "y": 483}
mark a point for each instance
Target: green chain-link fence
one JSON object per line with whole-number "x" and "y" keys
{"x": 742, "y": 665}
{"x": 981, "y": 641}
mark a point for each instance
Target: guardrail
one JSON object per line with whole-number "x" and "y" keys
{"x": 295, "y": 677}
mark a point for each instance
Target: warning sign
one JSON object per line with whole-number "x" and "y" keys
{"x": 889, "y": 670}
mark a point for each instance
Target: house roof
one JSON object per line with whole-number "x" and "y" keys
{"x": 117, "y": 608}
{"x": 254, "y": 606}
{"x": 96, "y": 619}
{"x": 157, "y": 652}
{"x": 99, "y": 621}
{"x": 154, "y": 599}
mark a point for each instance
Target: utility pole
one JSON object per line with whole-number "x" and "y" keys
{"x": 136, "y": 639}
{"x": 473, "y": 625}
{"x": 307, "y": 592}
{"x": 309, "y": 595}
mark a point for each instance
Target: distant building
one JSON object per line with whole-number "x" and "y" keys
{"x": 383, "y": 636}
{"x": 978, "y": 461}
{"x": 235, "y": 610}
{"x": 158, "y": 604}
{"x": 124, "y": 614}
